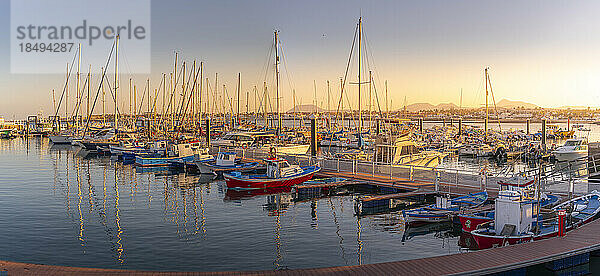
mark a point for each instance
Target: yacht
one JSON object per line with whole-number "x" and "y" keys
{"x": 573, "y": 149}
{"x": 405, "y": 151}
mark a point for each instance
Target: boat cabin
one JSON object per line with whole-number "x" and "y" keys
{"x": 226, "y": 159}
{"x": 513, "y": 216}
{"x": 280, "y": 168}
{"x": 403, "y": 146}
{"x": 576, "y": 143}
{"x": 185, "y": 149}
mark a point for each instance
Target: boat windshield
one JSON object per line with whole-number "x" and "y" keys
{"x": 411, "y": 149}
{"x": 572, "y": 143}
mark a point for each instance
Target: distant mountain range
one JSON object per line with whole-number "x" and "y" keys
{"x": 306, "y": 108}
{"x": 504, "y": 103}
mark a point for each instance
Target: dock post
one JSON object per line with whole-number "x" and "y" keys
{"x": 313, "y": 135}
{"x": 544, "y": 133}
{"x": 421, "y": 125}
{"x": 437, "y": 180}
{"x": 571, "y": 182}
{"x": 459, "y": 127}
{"x": 451, "y": 121}
{"x": 528, "y": 126}
{"x": 485, "y": 125}
{"x": 208, "y": 132}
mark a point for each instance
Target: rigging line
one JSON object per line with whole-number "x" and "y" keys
{"x": 190, "y": 99}
{"x": 76, "y": 110}
{"x": 228, "y": 99}
{"x": 155, "y": 98}
{"x": 65, "y": 88}
{"x": 287, "y": 71}
{"x": 111, "y": 93}
{"x": 371, "y": 62}
{"x": 494, "y": 100}
{"x": 173, "y": 89}
{"x": 266, "y": 65}
{"x": 346, "y": 72}
{"x": 185, "y": 90}
{"x": 99, "y": 87}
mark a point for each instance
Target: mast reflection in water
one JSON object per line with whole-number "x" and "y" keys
{"x": 111, "y": 219}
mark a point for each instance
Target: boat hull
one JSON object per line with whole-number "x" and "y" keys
{"x": 470, "y": 223}
{"x": 235, "y": 182}
{"x": 570, "y": 155}
{"x": 161, "y": 161}
{"x": 60, "y": 139}
{"x": 488, "y": 241}
{"x": 209, "y": 167}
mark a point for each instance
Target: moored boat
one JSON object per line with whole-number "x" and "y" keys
{"x": 279, "y": 174}
{"x": 225, "y": 162}
{"x": 183, "y": 152}
{"x": 444, "y": 208}
{"x": 470, "y": 222}
{"x": 515, "y": 221}
{"x": 572, "y": 149}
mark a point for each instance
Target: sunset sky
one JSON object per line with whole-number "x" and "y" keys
{"x": 543, "y": 52}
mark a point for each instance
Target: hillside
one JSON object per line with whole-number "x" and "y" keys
{"x": 504, "y": 103}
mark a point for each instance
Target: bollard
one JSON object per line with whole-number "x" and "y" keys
{"x": 544, "y": 133}
{"x": 421, "y": 125}
{"x": 561, "y": 222}
{"x": 528, "y": 121}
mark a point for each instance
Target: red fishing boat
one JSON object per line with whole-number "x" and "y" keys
{"x": 526, "y": 190}
{"x": 279, "y": 174}
{"x": 515, "y": 222}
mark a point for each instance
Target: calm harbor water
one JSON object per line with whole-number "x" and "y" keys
{"x": 59, "y": 208}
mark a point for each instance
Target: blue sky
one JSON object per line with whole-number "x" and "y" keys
{"x": 545, "y": 52}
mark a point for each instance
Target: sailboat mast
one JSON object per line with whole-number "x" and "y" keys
{"x": 89, "y": 81}
{"x": 387, "y": 107}
{"x": 370, "y": 100}
{"x": 294, "y": 115}
{"x": 103, "y": 101}
{"x": 78, "y": 92}
{"x": 200, "y": 91}
{"x": 359, "y": 79}
{"x": 342, "y": 100}
{"x": 67, "y": 97}
{"x": 486, "y": 102}
{"x": 265, "y": 105}
{"x": 277, "y": 82}
{"x": 328, "y": 106}
{"x": 116, "y": 82}
{"x": 239, "y": 88}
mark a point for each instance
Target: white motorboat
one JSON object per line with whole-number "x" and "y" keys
{"x": 573, "y": 149}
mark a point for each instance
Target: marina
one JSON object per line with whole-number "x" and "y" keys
{"x": 249, "y": 140}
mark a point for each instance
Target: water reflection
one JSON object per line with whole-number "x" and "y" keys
{"x": 255, "y": 229}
